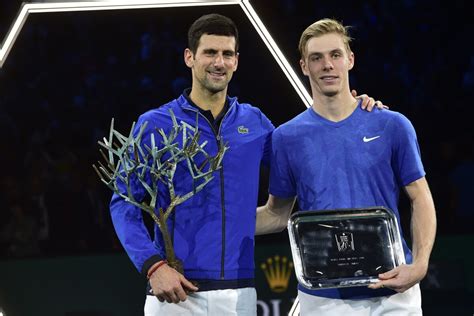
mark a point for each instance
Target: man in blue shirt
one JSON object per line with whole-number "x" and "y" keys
{"x": 335, "y": 156}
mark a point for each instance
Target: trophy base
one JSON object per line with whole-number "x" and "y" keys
{"x": 345, "y": 282}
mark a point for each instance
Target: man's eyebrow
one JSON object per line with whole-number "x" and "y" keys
{"x": 314, "y": 54}
{"x": 209, "y": 50}
{"x": 335, "y": 50}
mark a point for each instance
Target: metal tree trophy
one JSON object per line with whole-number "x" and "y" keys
{"x": 129, "y": 161}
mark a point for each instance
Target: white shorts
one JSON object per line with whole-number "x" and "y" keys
{"x": 407, "y": 303}
{"x": 237, "y": 302}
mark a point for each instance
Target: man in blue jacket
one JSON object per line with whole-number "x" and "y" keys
{"x": 213, "y": 231}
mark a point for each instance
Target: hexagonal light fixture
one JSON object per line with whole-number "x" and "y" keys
{"x": 102, "y": 5}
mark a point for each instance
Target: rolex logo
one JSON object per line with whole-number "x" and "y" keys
{"x": 277, "y": 272}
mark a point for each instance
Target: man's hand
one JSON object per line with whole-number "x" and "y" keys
{"x": 401, "y": 278}
{"x": 368, "y": 103}
{"x": 169, "y": 285}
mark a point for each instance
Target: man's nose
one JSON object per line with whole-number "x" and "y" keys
{"x": 219, "y": 60}
{"x": 328, "y": 64}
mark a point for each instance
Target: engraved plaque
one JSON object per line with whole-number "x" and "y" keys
{"x": 343, "y": 248}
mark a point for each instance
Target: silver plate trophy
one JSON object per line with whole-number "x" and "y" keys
{"x": 344, "y": 248}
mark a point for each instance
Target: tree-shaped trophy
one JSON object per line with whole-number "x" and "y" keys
{"x": 130, "y": 162}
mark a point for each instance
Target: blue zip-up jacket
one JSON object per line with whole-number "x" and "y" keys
{"x": 213, "y": 232}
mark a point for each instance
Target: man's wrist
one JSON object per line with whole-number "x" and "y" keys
{"x": 149, "y": 263}
{"x": 421, "y": 266}
{"x": 155, "y": 267}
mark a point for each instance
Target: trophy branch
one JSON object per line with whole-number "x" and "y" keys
{"x": 128, "y": 161}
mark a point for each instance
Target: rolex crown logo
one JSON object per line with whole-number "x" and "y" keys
{"x": 277, "y": 272}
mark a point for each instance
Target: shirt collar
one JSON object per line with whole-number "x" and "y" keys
{"x": 207, "y": 113}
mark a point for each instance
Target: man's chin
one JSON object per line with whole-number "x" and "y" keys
{"x": 330, "y": 93}
{"x": 216, "y": 89}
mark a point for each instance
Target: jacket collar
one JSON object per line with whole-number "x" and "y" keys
{"x": 186, "y": 102}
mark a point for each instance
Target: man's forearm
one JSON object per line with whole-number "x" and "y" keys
{"x": 273, "y": 216}
{"x": 268, "y": 222}
{"x": 423, "y": 223}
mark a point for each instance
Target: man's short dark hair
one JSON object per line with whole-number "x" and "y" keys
{"x": 211, "y": 24}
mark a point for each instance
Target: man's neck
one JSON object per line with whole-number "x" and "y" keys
{"x": 335, "y": 108}
{"x": 208, "y": 101}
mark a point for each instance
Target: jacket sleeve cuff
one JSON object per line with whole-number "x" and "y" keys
{"x": 149, "y": 262}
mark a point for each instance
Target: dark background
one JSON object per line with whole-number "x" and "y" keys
{"x": 68, "y": 74}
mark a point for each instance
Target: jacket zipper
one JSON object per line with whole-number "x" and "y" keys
{"x": 218, "y": 139}
{"x": 221, "y": 175}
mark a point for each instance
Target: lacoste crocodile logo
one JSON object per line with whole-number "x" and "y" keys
{"x": 242, "y": 129}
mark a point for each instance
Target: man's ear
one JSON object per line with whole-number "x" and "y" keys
{"x": 236, "y": 61}
{"x": 351, "y": 60}
{"x": 189, "y": 58}
{"x": 304, "y": 67}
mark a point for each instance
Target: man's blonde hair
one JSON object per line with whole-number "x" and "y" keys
{"x": 323, "y": 27}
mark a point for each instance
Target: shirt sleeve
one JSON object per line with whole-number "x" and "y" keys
{"x": 128, "y": 221}
{"x": 406, "y": 156}
{"x": 267, "y": 146}
{"x": 282, "y": 182}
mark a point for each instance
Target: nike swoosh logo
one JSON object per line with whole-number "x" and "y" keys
{"x": 366, "y": 140}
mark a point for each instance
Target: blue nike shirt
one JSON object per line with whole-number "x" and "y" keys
{"x": 361, "y": 161}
